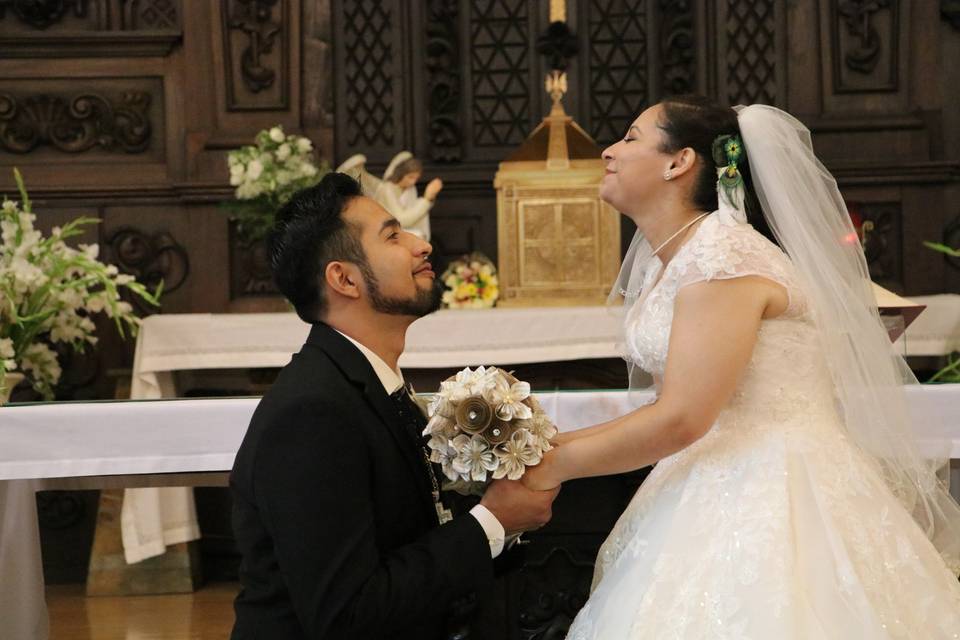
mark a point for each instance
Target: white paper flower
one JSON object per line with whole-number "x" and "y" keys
{"x": 472, "y": 383}
{"x": 440, "y": 404}
{"x": 508, "y": 399}
{"x": 542, "y": 431}
{"x": 276, "y": 134}
{"x": 515, "y": 455}
{"x": 443, "y": 453}
{"x": 474, "y": 458}
{"x": 438, "y": 425}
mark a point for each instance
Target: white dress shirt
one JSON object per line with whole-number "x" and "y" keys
{"x": 392, "y": 379}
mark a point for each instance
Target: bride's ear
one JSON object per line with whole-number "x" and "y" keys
{"x": 683, "y": 161}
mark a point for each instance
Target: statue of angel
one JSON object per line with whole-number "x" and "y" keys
{"x": 397, "y": 190}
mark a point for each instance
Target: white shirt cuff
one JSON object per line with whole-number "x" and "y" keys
{"x": 491, "y": 527}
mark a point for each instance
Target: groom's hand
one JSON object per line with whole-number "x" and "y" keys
{"x": 517, "y": 507}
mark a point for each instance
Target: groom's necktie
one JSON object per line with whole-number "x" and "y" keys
{"x": 414, "y": 421}
{"x": 413, "y": 418}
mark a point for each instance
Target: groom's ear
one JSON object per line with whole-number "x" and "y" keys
{"x": 342, "y": 278}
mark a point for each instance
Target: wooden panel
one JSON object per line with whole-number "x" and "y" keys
{"x": 256, "y": 54}
{"x": 56, "y": 119}
{"x": 371, "y": 96}
{"x": 90, "y": 28}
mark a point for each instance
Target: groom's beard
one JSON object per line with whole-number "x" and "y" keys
{"x": 424, "y": 302}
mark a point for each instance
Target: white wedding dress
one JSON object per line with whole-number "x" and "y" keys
{"x": 773, "y": 525}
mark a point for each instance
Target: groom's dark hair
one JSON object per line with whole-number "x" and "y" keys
{"x": 308, "y": 233}
{"x": 696, "y": 121}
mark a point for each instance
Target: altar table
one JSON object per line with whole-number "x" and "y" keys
{"x": 99, "y": 444}
{"x": 152, "y": 519}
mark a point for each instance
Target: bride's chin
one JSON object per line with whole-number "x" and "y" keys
{"x": 607, "y": 195}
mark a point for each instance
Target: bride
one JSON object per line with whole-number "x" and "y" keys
{"x": 789, "y": 498}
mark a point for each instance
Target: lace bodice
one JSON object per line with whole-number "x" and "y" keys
{"x": 786, "y": 362}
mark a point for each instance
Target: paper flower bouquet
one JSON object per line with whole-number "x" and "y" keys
{"x": 485, "y": 424}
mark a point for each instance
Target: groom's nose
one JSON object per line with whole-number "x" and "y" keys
{"x": 422, "y": 248}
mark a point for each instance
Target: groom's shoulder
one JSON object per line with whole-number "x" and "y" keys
{"x": 311, "y": 379}
{"x": 310, "y": 398}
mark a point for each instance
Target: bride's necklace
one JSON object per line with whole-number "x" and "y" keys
{"x": 679, "y": 231}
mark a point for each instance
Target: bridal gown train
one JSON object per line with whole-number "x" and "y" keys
{"x": 773, "y": 525}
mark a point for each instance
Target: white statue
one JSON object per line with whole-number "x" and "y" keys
{"x": 397, "y": 191}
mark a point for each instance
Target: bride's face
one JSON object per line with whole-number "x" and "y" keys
{"x": 635, "y": 165}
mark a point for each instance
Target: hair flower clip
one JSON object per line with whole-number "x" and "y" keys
{"x": 727, "y": 151}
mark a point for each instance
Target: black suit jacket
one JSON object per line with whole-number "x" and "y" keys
{"x": 333, "y": 514}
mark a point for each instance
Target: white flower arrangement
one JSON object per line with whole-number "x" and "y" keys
{"x": 471, "y": 283}
{"x": 484, "y": 424}
{"x": 50, "y": 291}
{"x": 266, "y": 175}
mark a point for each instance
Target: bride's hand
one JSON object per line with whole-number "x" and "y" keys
{"x": 543, "y": 476}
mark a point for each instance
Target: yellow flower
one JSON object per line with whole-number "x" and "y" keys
{"x": 466, "y": 291}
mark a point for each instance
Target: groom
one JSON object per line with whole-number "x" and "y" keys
{"x": 336, "y": 508}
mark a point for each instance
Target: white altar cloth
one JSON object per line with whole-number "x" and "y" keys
{"x": 447, "y": 338}
{"x": 60, "y": 440}
{"x": 63, "y": 439}
{"x": 178, "y": 342}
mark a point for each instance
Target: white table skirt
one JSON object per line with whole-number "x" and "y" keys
{"x": 61, "y": 440}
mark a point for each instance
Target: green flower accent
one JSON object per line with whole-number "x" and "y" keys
{"x": 727, "y": 151}
{"x": 733, "y": 149}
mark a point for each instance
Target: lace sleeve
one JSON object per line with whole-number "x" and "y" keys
{"x": 727, "y": 251}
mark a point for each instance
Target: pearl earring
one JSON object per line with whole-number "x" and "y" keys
{"x": 668, "y": 175}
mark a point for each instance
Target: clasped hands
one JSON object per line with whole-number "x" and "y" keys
{"x": 525, "y": 504}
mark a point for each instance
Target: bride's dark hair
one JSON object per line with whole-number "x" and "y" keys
{"x": 696, "y": 121}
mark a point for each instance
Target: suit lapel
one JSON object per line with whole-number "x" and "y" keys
{"x": 356, "y": 368}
